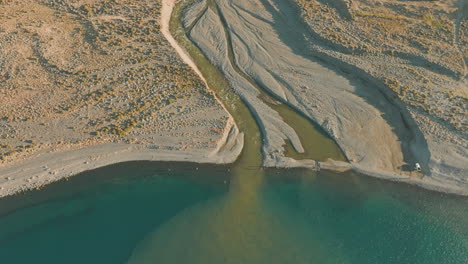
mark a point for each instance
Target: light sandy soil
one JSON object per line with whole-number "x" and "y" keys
{"x": 89, "y": 83}
{"x": 267, "y": 42}
{"x": 416, "y": 52}
{"x": 86, "y": 84}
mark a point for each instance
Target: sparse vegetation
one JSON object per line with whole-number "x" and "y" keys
{"x": 409, "y": 47}
{"x": 92, "y": 71}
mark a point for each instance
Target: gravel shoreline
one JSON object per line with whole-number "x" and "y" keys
{"x": 340, "y": 103}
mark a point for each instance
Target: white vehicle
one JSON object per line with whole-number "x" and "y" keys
{"x": 417, "y": 167}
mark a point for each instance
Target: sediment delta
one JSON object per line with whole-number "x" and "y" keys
{"x": 415, "y": 52}
{"x": 267, "y": 45}
{"x": 90, "y": 83}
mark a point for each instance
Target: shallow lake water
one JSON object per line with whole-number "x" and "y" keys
{"x": 154, "y": 212}
{"x": 143, "y": 212}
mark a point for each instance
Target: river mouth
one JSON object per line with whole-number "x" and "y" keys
{"x": 146, "y": 212}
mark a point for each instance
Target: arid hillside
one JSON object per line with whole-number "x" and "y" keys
{"x": 416, "y": 53}
{"x": 83, "y": 72}
{"x": 418, "y": 49}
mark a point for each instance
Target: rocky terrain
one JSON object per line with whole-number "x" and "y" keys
{"x": 77, "y": 72}
{"x": 416, "y": 53}
{"x": 86, "y": 83}
{"x": 417, "y": 49}
{"x": 385, "y": 79}
{"x": 82, "y": 73}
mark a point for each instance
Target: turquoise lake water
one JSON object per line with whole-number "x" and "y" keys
{"x": 144, "y": 212}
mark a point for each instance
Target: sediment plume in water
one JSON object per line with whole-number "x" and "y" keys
{"x": 237, "y": 228}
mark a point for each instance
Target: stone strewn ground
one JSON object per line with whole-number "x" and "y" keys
{"x": 84, "y": 72}
{"x": 418, "y": 49}
{"x": 416, "y": 53}
{"x": 385, "y": 101}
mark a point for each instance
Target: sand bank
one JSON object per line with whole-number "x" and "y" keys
{"x": 371, "y": 129}
{"x": 266, "y": 45}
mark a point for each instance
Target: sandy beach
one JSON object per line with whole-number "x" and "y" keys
{"x": 45, "y": 168}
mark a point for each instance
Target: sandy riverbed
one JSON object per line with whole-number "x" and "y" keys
{"x": 377, "y": 135}
{"x": 267, "y": 43}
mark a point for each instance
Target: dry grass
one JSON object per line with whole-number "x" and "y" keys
{"x": 75, "y": 72}
{"x": 410, "y": 46}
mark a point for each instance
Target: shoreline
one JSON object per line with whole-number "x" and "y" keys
{"x": 425, "y": 183}
{"x": 46, "y": 168}
{"x": 49, "y": 167}
{"x": 404, "y": 145}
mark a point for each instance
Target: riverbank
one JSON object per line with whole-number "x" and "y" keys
{"x": 344, "y": 119}
{"x": 46, "y": 168}
{"x": 377, "y": 132}
{"x": 151, "y": 108}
